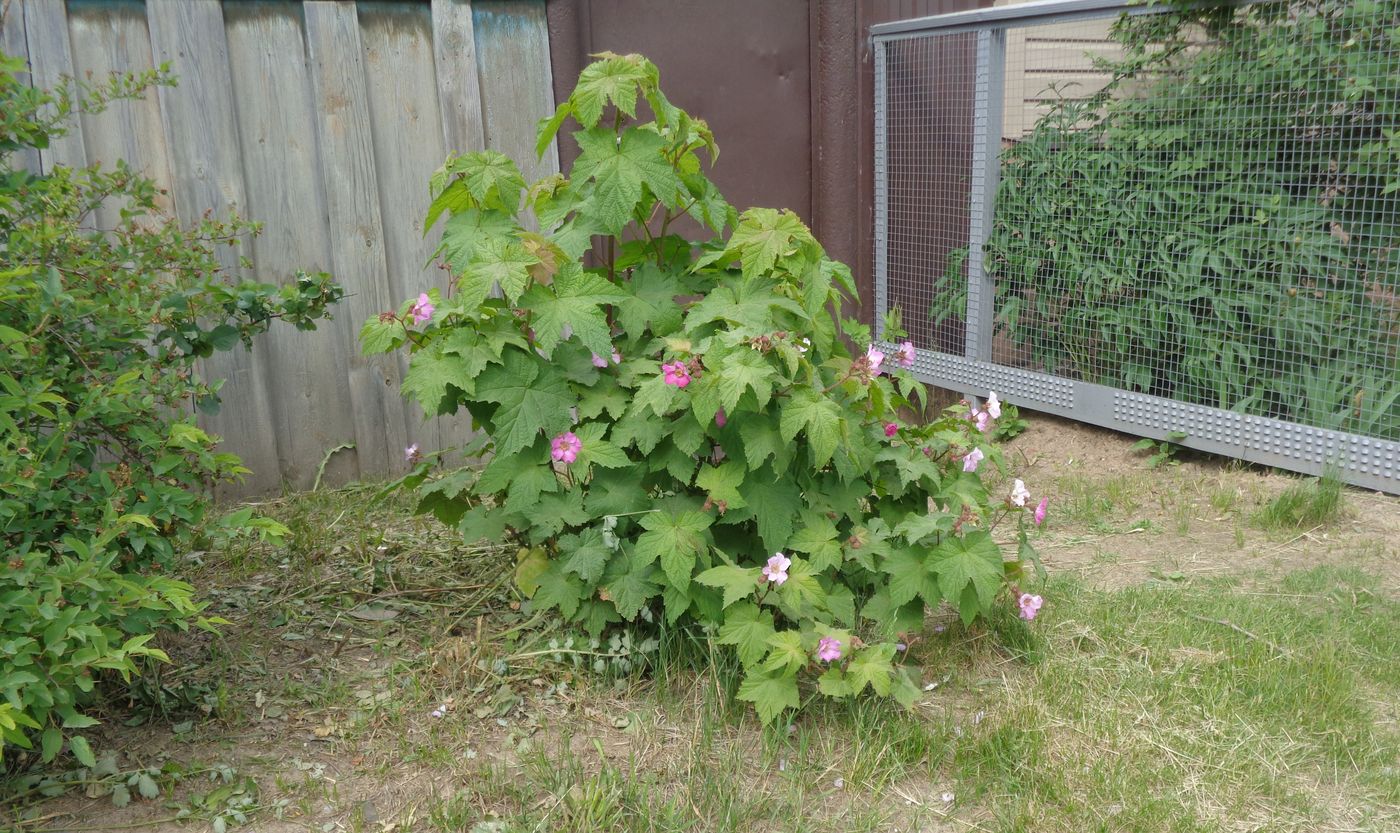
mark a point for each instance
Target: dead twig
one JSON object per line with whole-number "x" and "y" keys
{"x": 1279, "y": 649}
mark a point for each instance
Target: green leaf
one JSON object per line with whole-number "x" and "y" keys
{"x": 652, "y": 302}
{"x": 558, "y": 589}
{"x": 737, "y": 582}
{"x": 910, "y": 576}
{"x": 631, "y": 589}
{"x": 534, "y": 398}
{"x": 618, "y": 168}
{"x": 750, "y": 305}
{"x": 833, "y": 683}
{"x": 82, "y": 751}
{"x": 676, "y": 538}
{"x": 576, "y": 300}
{"x": 491, "y": 178}
{"x": 787, "y": 653}
{"x": 816, "y": 536}
{"x": 585, "y": 554}
{"x": 872, "y": 666}
{"x": 748, "y": 629}
{"x": 721, "y": 483}
{"x": 465, "y": 233}
{"x": 50, "y": 742}
{"x": 496, "y": 262}
{"x": 770, "y": 692}
{"x": 556, "y": 511}
{"x": 972, "y": 560}
{"x": 616, "y": 492}
{"x": 763, "y": 236}
{"x": 916, "y": 528}
{"x": 604, "y": 396}
{"x": 820, "y": 417}
{"x": 762, "y": 440}
{"x": 431, "y": 372}
{"x": 744, "y": 370}
{"x": 774, "y": 504}
{"x": 595, "y": 450}
{"x": 614, "y": 79}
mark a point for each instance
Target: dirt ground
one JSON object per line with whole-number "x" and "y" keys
{"x": 306, "y": 718}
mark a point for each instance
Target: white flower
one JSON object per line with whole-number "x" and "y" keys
{"x": 994, "y": 405}
{"x": 1019, "y": 493}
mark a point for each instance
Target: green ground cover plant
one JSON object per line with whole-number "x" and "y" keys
{"x": 104, "y": 474}
{"x": 679, "y": 432}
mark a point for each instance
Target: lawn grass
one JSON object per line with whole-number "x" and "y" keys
{"x": 1244, "y": 702}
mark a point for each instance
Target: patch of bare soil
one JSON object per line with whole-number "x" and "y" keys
{"x": 1117, "y": 522}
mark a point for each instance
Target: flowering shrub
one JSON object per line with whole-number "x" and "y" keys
{"x": 679, "y": 429}
{"x": 102, "y": 468}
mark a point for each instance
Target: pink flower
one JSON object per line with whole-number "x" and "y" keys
{"x": 983, "y": 419}
{"x": 599, "y": 361}
{"x": 616, "y": 356}
{"x": 972, "y": 458}
{"x": 565, "y": 447}
{"x": 1019, "y": 493}
{"x": 411, "y": 454}
{"x": 828, "y": 649}
{"x": 1030, "y": 606}
{"x": 776, "y": 570}
{"x": 1040, "y": 510}
{"x": 891, "y": 429}
{"x": 720, "y": 418}
{"x": 994, "y": 405}
{"x": 906, "y": 355}
{"x": 874, "y": 358}
{"x": 422, "y": 310}
{"x": 676, "y": 373}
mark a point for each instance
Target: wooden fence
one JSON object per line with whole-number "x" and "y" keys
{"x": 323, "y": 120}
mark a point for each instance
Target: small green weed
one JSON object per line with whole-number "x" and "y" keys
{"x": 1304, "y": 505}
{"x": 1161, "y": 452}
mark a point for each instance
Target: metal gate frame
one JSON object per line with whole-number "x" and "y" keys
{"x": 1360, "y": 460}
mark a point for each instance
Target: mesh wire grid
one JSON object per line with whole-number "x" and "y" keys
{"x": 1202, "y": 214}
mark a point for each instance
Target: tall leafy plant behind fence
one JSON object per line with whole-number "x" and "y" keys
{"x": 680, "y": 431}
{"x": 1221, "y": 223}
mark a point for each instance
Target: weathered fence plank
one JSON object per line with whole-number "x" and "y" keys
{"x": 14, "y": 43}
{"x": 111, "y": 37}
{"x": 207, "y": 177}
{"x": 459, "y": 89}
{"x": 356, "y": 229}
{"x": 277, "y": 135}
{"x": 516, "y": 87}
{"x": 323, "y": 120}
{"x": 408, "y": 147}
{"x": 51, "y": 58}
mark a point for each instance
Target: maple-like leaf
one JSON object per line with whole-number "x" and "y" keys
{"x": 973, "y": 560}
{"x": 575, "y": 300}
{"x": 533, "y": 396}
{"x": 618, "y": 168}
{"x": 807, "y": 410}
{"x": 496, "y": 262}
{"x": 771, "y": 692}
{"x": 748, "y": 629}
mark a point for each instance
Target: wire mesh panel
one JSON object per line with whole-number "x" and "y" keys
{"x": 930, "y": 97}
{"x": 1191, "y": 223}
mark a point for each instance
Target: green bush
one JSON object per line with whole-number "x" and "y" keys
{"x": 1221, "y": 224}
{"x": 679, "y": 430}
{"x": 103, "y": 472}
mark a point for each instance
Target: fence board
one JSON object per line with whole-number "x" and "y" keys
{"x": 107, "y": 38}
{"x": 323, "y": 120}
{"x": 51, "y": 58}
{"x": 357, "y": 232}
{"x": 277, "y": 135}
{"x": 14, "y": 43}
{"x": 408, "y": 147}
{"x": 207, "y": 176}
{"x": 459, "y": 89}
{"x": 515, "y": 88}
